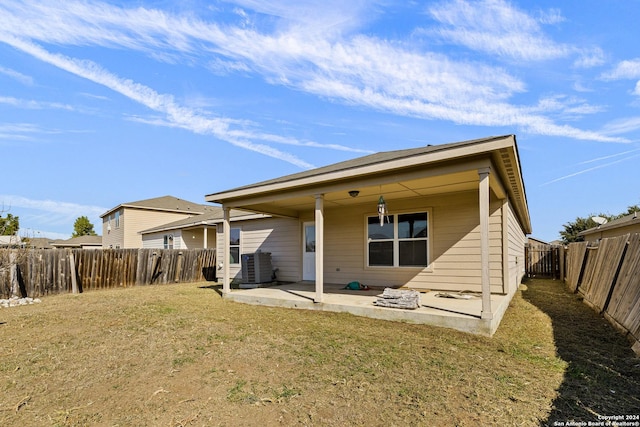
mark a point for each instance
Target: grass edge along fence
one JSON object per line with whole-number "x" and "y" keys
{"x": 43, "y": 272}
{"x": 607, "y": 275}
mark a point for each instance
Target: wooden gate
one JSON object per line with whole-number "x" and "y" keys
{"x": 543, "y": 261}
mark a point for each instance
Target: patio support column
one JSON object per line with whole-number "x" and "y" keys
{"x": 226, "y": 234}
{"x": 485, "y": 277}
{"x": 319, "y": 220}
{"x": 204, "y": 237}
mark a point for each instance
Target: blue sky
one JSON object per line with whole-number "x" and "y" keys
{"x": 103, "y": 103}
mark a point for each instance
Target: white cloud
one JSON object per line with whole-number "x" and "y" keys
{"x": 622, "y": 126}
{"x": 496, "y": 27}
{"x": 363, "y": 70}
{"x": 26, "y": 80}
{"x": 38, "y": 215}
{"x": 64, "y": 208}
{"x": 20, "y": 131}
{"x": 629, "y": 69}
{"x": 180, "y": 116}
{"x": 34, "y": 105}
{"x": 591, "y": 169}
{"x": 590, "y": 58}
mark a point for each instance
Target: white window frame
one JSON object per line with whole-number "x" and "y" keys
{"x": 168, "y": 241}
{"x": 117, "y": 219}
{"x": 239, "y": 245}
{"x": 396, "y": 240}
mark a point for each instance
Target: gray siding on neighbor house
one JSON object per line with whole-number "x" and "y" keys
{"x": 182, "y": 239}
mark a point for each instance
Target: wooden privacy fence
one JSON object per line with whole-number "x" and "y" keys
{"x": 607, "y": 274}
{"x": 543, "y": 260}
{"x": 44, "y": 272}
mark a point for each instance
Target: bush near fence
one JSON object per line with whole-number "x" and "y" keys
{"x": 44, "y": 272}
{"x": 607, "y": 275}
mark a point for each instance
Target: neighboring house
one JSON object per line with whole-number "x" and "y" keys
{"x": 121, "y": 225}
{"x": 532, "y": 242}
{"x": 456, "y": 220}
{"x": 39, "y": 242}
{"x": 11, "y": 242}
{"x": 196, "y": 232}
{"x": 81, "y": 242}
{"x": 617, "y": 227}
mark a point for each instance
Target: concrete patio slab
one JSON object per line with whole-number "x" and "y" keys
{"x": 460, "y": 314}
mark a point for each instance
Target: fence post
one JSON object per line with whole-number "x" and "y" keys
{"x": 178, "y": 267}
{"x": 72, "y": 265}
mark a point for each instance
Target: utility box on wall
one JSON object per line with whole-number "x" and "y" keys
{"x": 256, "y": 269}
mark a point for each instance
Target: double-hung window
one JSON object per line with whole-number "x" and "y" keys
{"x": 401, "y": 241}
{"x": 168, "y": 241}
{"x": 234, "y": 246}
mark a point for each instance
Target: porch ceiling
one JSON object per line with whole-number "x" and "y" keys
{"x": 294, "y": 202}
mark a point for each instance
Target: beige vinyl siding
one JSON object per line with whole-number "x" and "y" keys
{"x": 194, "y": 238}
{"x": 135, "y": 220}
{"x": 279, "y": 236}
{"x": 613, "y": 232}
{"x": 454, "y": 236}
{"x": 454, "y": 245}
{"x": 156, "y": 240}
{"x": 517, "y": 241}
{"x": 113, "y": 237}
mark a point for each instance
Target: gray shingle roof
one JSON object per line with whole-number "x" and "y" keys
{"x": 616, "y": 223}
{"x": 214, "y": 216}
{"x": 370, "y": 160}
{"x": 164, "y": 203}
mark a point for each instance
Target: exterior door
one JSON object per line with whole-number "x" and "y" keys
{"x": 309, "y": 251}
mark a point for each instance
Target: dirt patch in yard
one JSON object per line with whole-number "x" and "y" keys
{"x": 180, "y": 355}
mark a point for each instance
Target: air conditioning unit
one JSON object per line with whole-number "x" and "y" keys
{"x": 256, "y": 269}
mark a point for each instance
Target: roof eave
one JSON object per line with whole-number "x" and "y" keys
{"x": 475, "y": 147}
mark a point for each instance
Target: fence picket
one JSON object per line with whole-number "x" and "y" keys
{"x": 49, "y": 271}
{"x": 610, "y": 280}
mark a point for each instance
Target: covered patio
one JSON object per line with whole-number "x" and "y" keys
{"x": 461, "y": 314}
{"x": 458, "y": 222}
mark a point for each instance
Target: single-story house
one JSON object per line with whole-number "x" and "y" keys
{"x": 627, "y": 224}
{"x": 450, "y": 217}
{"x": 195, "y": 232}
{"x": 81, "y": 242}
{"x": 11, "y": 241}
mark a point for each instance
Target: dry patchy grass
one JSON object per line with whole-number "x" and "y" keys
{"x": 180, "y": 355}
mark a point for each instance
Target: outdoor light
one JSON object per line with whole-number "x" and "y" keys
{"x": 382, "y": 210}
{"x": 354, "y": 193}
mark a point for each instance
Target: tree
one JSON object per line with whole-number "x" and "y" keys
{"x": 630, "y": 210}
{"x": 572, "y": 229}
{"x": 83, "y": 227}
{"x": 11, "y": 258}
{"x": 10, "y": 225}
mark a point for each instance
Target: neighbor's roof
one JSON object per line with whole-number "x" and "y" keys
{"x": 76, "y": 242}
{"x": 624, "y": 221}
{"x": 164, "y": 203}
{"x": 213, "y": 217}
